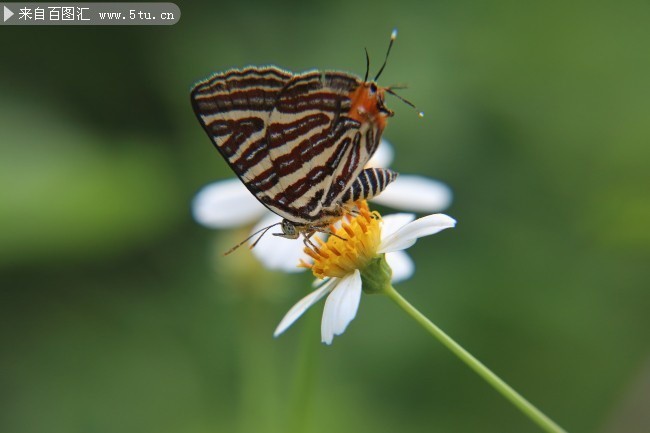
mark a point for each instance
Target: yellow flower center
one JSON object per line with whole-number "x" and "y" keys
{"x": 350, "y": 247}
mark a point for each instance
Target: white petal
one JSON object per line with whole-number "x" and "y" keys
{"x": 393, "y": 222}
{"x": 415, "y": 193}
{"x": 407, "y": 235}
{"x": 341, "y": 307}
{"x": 275, "y": 252}
{"x": 318, "y": 282}
{"x": 299, "y": 309}
{"x": 401, "y": 264}
{"x": 383, "y": 156}
{"x": 224, "y": 204}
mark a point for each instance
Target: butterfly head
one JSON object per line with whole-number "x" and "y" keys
{"x": 289, "y": 230}
{"x": 368, "y": 104}
{"x": 367, "y": 100}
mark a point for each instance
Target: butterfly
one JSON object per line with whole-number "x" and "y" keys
{"x": 298, "y": 142}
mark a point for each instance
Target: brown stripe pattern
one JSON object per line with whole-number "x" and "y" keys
{"x": 289, "y": 139}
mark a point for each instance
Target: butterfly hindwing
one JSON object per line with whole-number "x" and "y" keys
{"x": 317, "y": 149}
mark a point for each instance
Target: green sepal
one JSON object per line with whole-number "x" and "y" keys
{"x": 376, "y": 275}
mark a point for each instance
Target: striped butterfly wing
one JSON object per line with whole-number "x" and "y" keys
{"x": 234, "y": 109}
{"x": 310, "y": 139}
{"x": 289, "y": 138}
{"x": 316, "y": 148}
{"x": 364, "y": 142}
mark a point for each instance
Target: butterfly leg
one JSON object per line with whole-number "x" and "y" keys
{"x": 307, "y": 240}
{"x": 307, "y": 235}
{"x": 328, "y": 231}
{"x": 350, "y": 208}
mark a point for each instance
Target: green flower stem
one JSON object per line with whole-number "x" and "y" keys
{"x": 305, "y": 376}
{"x": 515, "y": 398}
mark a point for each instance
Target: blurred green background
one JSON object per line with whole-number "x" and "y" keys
{"x": 118, "y": 312}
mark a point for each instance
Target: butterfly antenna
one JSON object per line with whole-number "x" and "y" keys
{"x": 406, "y": 101}
{"x": 393, "y": 36}
{"x": 365, "y": 79}
{"x": 263, "y": 230}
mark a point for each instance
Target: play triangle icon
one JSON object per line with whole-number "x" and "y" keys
{"x": 7, "y": 13}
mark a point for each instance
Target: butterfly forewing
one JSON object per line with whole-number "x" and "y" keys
{"x": 234, "y": 109}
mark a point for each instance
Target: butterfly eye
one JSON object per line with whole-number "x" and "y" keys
{"x": 383, "y": 110}
{"x": 373, "y": 88}
{"x": 288, "y": 228}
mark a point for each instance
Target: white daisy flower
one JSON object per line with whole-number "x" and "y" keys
{"x": 228, "y": 204}
{"x": 366, "y": 253}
